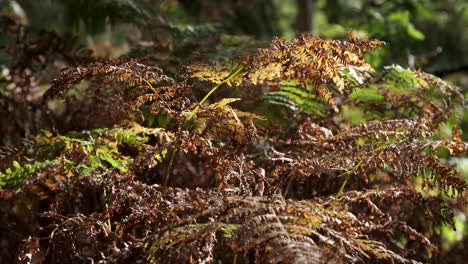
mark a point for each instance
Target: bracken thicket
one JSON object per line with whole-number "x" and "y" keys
{"x": 277, "y": 174}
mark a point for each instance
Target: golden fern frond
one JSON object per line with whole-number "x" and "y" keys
{"x": 324, "y": 93}
{"x": 307, "y": 59}
{"x": 222, "y": 121}
{"x": 210, "y": 73}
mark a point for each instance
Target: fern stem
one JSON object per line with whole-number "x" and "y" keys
{"x": 340, "y": 191}
{"x": 234, "y": 261}
{"x": 289, "y": 185}
{"x": 194, "y": 111}
{"x": 234, "y": 73}
{"x": 107, "y": 212}
{"x": 348, "y": 174}
{"x": 171, "y": 161}
{"x": 149, "y": 84}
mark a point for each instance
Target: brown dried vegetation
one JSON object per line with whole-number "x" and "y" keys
{"x": 241, "y": 189}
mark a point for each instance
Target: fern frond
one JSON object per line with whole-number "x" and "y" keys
{"x": 222, "y": 121}
{"x": 307, "y": 59}
{"x": 90, "y": 151}
{"x": 136, "y": 83}
{"x": 400, "y": 147}
{"x": 290, "y": 230}
{"x": 211, "y": 73}
{"x": 297, "y": 100}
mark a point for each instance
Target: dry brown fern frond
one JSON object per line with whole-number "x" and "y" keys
{"x": 179, "y": 225}
{"x": 221, "y": 135}
{"x": 144, "y": 222}
{"x": 130, "y": 73}
{"x": 135, "y": 83}
{"x": 357, "y": 228}
{"x": 219, "y": 120}
{"x": 400, "y": 149}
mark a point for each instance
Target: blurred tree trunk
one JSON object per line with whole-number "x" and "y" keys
{"x": 304, "y": 19}
{"x": 332, "y": 10}
{"x": 257, "y": 18}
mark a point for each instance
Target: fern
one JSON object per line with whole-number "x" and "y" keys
{"x": 366, "y": 94}
{"x": 223, "y": 122}
{"x": 85, "y": 153}
{"x": 292, "y": 231}
{"x": 307, "y": 60}
{"x": 297, "y": 100}
{"x": 137, "y": 83}
{"x": 315, "y": 189}
{"x": 16, "y": 175}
